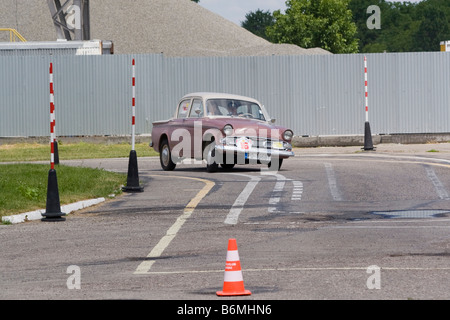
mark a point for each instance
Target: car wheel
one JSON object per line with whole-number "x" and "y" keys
{"x": 165, "y": 157}
{"x": 210, "y": 154}
{"x": 272, "y": 165}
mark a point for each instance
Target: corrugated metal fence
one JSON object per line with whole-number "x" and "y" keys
{"x": 313, "y": 95}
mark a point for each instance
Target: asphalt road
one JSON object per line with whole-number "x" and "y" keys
{"x": 334, "y": 223}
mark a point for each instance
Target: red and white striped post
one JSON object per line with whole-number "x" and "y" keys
{"x": 365, "y": 89}
{"x": 133, "y": 108}
{"x": 52, "y": 119}
{"x": 368, "y": 145}
{"x": 53, "y": 207}
{"x": 133, "y": 174}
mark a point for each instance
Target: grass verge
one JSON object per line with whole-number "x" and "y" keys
{"x": 82, "y": 150}
{"x": 23, "y": 186}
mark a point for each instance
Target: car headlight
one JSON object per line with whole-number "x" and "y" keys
{"x": 288, "y": 134}
{"x": 228, "y": 129}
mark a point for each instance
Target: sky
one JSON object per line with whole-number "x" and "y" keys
{"x": 235, "y": 10}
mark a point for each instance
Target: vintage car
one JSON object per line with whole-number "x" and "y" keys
{"x": 221, "y": 129}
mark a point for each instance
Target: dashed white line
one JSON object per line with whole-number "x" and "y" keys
{"x": 440, "y": 189}
{"x": 298, "y": 191}
{"x": 332, "y": 182}
{"x": 277, "y": 193}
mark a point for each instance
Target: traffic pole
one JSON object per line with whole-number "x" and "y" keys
{"x": 53, "y": 207}
{"x": 53, "y": 118}
{"x": 133, "y": 174}
{"x": 133, "y": 106}
{"x": 368, "y": 145}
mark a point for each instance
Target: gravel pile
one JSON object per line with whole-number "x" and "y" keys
{"x": 173, "y": 27}
{"x": 184, "y": 28}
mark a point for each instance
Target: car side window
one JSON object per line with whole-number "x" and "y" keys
{"x": 197, "y": 109}
{"x": 183, "y": 109}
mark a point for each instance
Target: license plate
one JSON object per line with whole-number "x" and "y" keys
{"x": 277, "y": 145}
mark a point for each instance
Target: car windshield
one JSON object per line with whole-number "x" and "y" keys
{"x": 234, "y": 108}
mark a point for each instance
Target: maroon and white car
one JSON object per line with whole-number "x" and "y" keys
{"x": 222, "y": 129}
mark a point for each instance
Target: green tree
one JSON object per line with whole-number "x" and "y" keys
{"x": 196, "y": 1}
{"x": 434, "y": 27}
{"x": 316, "y": 23}
{"x": 405, "y": 26}
{"x": 365, "y": 35}
{"x": 257, "y": 22}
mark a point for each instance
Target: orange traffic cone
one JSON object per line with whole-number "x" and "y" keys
{"x": 233, "y": 283}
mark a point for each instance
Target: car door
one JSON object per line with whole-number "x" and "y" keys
{"x": 193, "y": 124}
{"x": 178, "y": 131}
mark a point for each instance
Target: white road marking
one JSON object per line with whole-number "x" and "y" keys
{"x": 238, "y": 206}
{"x": 332, "y": 182}
{"x": 298, "y": 191}
{"x": 145, "y": 266}
{"x": 440, "y": 189}
{"x": 235, "y": 211}
{"x": 277, "y": 193}
{"x": 307, "y": 269}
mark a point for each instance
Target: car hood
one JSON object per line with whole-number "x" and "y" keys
{"x": 248, "y": 127}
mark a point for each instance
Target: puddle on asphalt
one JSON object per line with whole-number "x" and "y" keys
{"x": 412, "y": 214}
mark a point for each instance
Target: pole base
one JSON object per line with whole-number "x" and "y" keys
{"x": 132, "y": 189}
{"x": 53, "y": 208}
{"x": 56, "y": 153}
{"x": 53, "y": 217}
{"x": 368, "y": 145}
{"x": 133, "y": 175}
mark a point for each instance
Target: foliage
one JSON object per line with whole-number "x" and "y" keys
{"x": 257, "y": 22}
{"x": 316, "y": 23}
{"x": 405, "y": 26}
{"x": 328, "y": 24}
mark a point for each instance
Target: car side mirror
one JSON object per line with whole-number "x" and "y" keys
{"x": 197, "y": 111}
{"x": 272, "y": 120}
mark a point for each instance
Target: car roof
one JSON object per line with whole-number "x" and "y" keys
{"x": 218, "y": 95}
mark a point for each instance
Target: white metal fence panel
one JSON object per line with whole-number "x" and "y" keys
{"x": 313, "y": 95}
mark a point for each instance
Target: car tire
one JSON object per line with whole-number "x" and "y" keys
{"x": 275, "y": 164}
{"x": 210, "y": 153}
{"x": 165, "y": 157}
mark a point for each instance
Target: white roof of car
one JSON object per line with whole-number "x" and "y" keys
{"x": 218, "y": 95}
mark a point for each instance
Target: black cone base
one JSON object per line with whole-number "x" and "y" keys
{"x": 56, "y": 153}
{"x": 368, "y": 145}
{"x": 133, "y": 175}
{"x": 53, "y": 207}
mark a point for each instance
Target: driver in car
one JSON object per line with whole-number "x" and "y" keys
{"x": 232, "y": 109}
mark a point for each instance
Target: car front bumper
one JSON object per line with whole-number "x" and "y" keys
{"x": 237, "y": 155}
